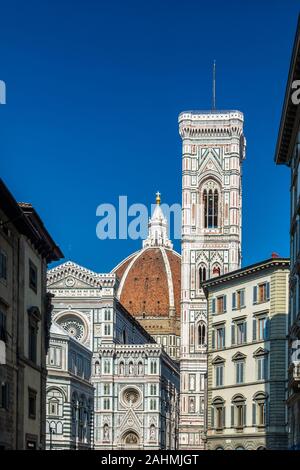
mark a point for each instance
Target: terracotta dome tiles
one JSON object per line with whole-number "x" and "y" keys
{"x": 145, "y": 289}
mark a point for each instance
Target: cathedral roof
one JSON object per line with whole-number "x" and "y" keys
{"x": 56, "y": 329}
{"x": 150, "y": 278}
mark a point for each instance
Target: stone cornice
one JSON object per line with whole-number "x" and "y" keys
{"x": 130, "y": 350}
{"x": 240, "y": 273}
{"x": 210, "y": 124}
{"x": 82, "y": 274}
{"x": 137, "y": 351}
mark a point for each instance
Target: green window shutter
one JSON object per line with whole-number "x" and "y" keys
{"x": 267, "y": 412}
{"x": 245, "y": 332}
{"x": 213, "y": 305}
{"x": 233, "y": 334}
{"x": 258, "y": 362}
{"x": 268, "y": 291}
{"x": 254, "y": 329}
{"x": 254, "y": 414}
{"x": 224, "y": 417}
{"x": 232, "y": 416}
{"x": 225, "y": 302}
{"x": 212, "y": 417}
{"x": 234, "y": 300}
{"x": 245, "y": 415}
{"x": 242, "y": 298}
{"x": 266, "y": 367}
{"x": 267, "y": 329}
{"x": 255, "y": 294}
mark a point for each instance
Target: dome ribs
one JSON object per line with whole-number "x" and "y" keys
{"x": 145, "y": 290}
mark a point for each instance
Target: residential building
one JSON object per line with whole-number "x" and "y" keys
{"x": 247, "y": 357}
{"x": 288, "y": 153}
{"x": 25, "y": 314}
{"x": 70, "y": 394}
{"x": 213, "y": 149}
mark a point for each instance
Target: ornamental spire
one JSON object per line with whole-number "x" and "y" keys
{"x": 158, "y": 200}
{"x": 158, "y": 227}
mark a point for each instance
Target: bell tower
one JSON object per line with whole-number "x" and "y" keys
{"x": 213, "y": 148}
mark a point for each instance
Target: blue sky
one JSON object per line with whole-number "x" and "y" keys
{"x": 94, "y": 89}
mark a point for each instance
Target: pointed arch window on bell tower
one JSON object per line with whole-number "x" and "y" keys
{"x": 211, "y": 208}
{"x": 216, "y": 205}
{"x": 202, "y": 275}
{"x": 201, "y": 334}
{"x": 216, "y": 271}
{"x": 210, "y": 215}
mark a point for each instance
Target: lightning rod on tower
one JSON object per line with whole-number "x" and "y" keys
{"x": 214, "y": 86}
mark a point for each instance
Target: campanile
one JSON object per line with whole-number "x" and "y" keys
{"x": 213, "y": 149}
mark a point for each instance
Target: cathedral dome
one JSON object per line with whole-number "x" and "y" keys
{"x": 150, "y": 280}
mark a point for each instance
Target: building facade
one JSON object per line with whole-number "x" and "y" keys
{"x": 247, "y": 357}
{"x": 137, "y": 391}
{"x": 70, "y": 394}
{"x": 213, "y": 148}
{"x": 136, "y": 382}
{"x": 25, "y": 313}
{"x": 288, "y": 153}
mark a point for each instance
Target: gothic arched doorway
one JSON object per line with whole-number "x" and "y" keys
{"x": 131, "y": 440}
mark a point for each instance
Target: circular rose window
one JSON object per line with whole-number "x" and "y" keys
{"x": 74, "y": 326}
{"x": 131, "y": 396}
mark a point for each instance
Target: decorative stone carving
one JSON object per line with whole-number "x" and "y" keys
{"x": 152, "y": 433}
{"x": 130, "y": 368}
{"x": 131, "y": 396}
{"x": 74, "y": 327}
{"x": 70, "y": 281}
{"x": 131, "y": 439}
{"x": 105, "y": 432}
